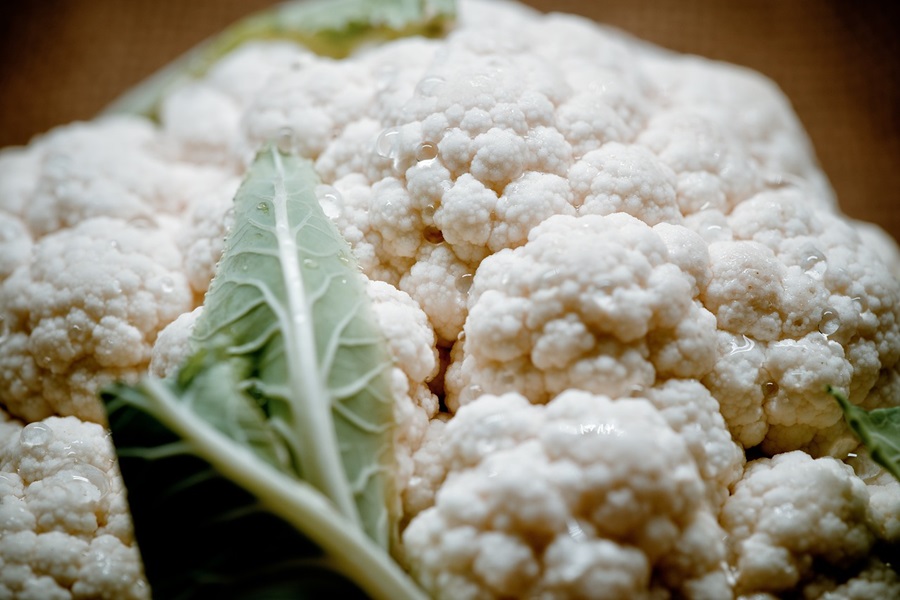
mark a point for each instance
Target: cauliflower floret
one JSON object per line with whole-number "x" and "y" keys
{"x": 592, "y": 303}
{"x": 15, "y": 244}
{"x": 114, "y": 167}
{"x": 411, "y": 342}
{"x": 550, "y": 501}
{"x": 201, "y": 236}
{"x": 875, "y": 580}
{"x": 551, "y": 214}
{"x": 801, "y": 303}
{"x": 789, "y": 511}
{"x": 86, "y": 311}
{"x": 691, "y": 411}
{"x": 65, "y": 529}
{"x": 173, "y": 345}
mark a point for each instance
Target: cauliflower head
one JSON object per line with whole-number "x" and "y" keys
{"x": 613, "y": 279}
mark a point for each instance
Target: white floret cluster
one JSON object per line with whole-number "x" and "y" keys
{"x": 606, "y": 272}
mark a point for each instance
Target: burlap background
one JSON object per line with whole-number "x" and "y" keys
{"x": 838, "y": 61}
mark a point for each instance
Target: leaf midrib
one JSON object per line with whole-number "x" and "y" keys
{"x": 311, "y": 411}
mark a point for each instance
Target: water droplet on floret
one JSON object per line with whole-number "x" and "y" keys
{"x": 770, "y": 388}
{"x": 285, "y": 140}
{"x": 430, "y": 86}
{"x": 813, "y": 262}
{"x": 386, "y": 144}
{"x": 263, "y": 207}
{"x": 745, "y": 345}
{"x": 464, "y": 283}
{"x": 35, "y": 434}
{"x": 830, "y": 322}
{"x": 426, "y": 151}
{"x": 95, "y": 477}
{"x": 433, "y": 235}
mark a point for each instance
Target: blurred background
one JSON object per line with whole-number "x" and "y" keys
{"x": 838, "y": 62}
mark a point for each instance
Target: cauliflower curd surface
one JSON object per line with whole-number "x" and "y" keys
{"x": 614, "y": 281}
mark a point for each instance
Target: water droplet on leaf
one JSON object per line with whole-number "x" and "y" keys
{"x": 285, "y": 140}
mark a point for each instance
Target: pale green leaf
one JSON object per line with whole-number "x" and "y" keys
{"x": 879, "y": 431}
{"x": 333, "y": 28}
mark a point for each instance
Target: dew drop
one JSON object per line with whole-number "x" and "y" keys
{"x": 474, "y": 391}
{"x": 770, "y": 388}
{"x": 167, "y": 285}
{"x": 813, "y": 262}
{"x": 386, "y": 144}
{"x": 430, "y": 86}
{"x": 813, "y": 256}
{"x": 464, "y": 283}
{"x": 331, "y": 201}
{"x": 114, "y": 244}
{"x": 433, "y": 235}
{"x": 860, "y": 303}
{"x": 263, "y": 207}
{"x": 461, "y": 336}
{"x": 428, "y": 211}
{"x": 829, "y": 323}
{"x": 35, "y": 434}
{"x": 426, "y": 151}
{"x": 745, "y": 345}
{"x": 310, "y": 263}
{"x": 575, "y": 530}
{"x": 285, "y": 140}
{"x": 96, "y": 477}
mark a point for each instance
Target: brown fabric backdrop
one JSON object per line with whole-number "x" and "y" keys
{"x": 838, "y": 61}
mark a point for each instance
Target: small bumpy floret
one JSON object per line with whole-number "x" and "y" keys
{"x": 65, "y": 529}
{"x": 792, "y": 510}
{"x": 550, "y": 501}
{"x": 591, "y": 302}
{"x": 86, "y": 311}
